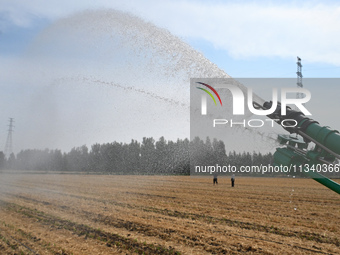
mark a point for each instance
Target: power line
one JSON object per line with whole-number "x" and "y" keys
{"x": 299, "y": 77}
{"x": 9, "y": 143}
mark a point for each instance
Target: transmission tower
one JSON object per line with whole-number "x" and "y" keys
{"x": 299, "y": 77}
{"x": 9, "y": 144}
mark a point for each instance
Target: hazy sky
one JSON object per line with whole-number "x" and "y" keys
{"x": 51, "y": 64}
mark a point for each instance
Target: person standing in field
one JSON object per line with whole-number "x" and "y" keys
{"x": 233, "y": 180}
{"x": 215, "y": 179}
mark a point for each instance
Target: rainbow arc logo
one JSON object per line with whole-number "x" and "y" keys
{"x": 209, "y": 93}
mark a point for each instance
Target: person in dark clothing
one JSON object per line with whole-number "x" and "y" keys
{"x": 215, "y": 179}
{"x": 233, "y": 180}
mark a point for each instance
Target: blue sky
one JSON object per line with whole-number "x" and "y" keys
{"x": 243, "y": 38}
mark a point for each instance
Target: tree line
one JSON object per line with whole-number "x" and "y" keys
{"x": 146, "y": 157}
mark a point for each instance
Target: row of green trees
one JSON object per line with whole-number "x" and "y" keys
{"x": 146, "y": 157}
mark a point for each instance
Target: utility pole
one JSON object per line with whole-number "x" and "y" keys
{"x": 9, "y": 144}
{"x": 299, "y": 77}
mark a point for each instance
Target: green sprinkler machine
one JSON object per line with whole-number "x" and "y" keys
{"x": 310, "y": 150}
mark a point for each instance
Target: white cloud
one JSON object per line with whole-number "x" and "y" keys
{"x": 258, "y": 30}
{"x": 244, "y": 30}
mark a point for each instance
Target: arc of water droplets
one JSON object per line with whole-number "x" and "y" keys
{"x": 127, "y": 88}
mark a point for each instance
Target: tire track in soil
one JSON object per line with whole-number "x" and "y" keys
{"x": 167, "y": 234}
{"x": 14, "y": 246}
{"x": 209, "y": 245}
{"x": 110, "y": 239}
{"x": 151, "y": 195}
{"x": 210, "y": 219}
{"x": 247, "y": 225}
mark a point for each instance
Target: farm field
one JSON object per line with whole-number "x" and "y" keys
{"x": 107, "y": 214}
